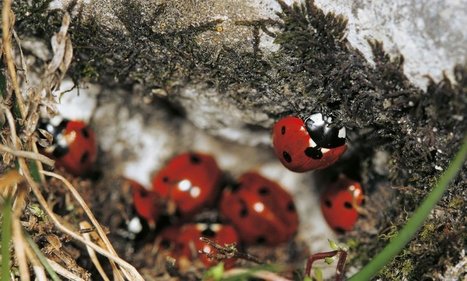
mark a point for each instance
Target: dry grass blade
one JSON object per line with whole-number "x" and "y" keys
{"x": 92, "y": 254}
{"x": 88, "y": 212}
{"x": 64, "y": 272}
{"x": 18, "y": 239}
{"x": 7, "y": 19}
{"x": 36, "y": 265}
{"x": 28, "y": 154}
{"x": 132, "y": 272}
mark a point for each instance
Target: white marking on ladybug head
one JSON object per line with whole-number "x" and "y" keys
{"x": 135, "y": 225}
{"x": 216, "y": 227}
{"x": 325, "y": 150}
{"x": 342, "y": 133}
{"x": 50, "y": 128}
{"x": 184, "y": 185}
{"x": 195, "y": 191}
{"x": 311, "y": 143}
{"x": 317, "y": 118}
{"x": 62, "y": 141}
{"x": 201, "y": 227}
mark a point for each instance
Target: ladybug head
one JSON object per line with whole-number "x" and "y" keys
{"x": 53, "y": 131}
{"x": 323, "y": 133}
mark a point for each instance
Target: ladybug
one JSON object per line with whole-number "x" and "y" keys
{"x": 261, "y": 210}
{"x": 340, "y": 203}
{"x": 190, "y": 181}
{"x": 183, "y": 242}
{"x": 304, "y": 145}
{"x": 147, "y": 203}
{"x": 73, "y": 145}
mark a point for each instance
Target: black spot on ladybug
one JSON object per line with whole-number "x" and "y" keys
{"x": 283, "y": 130}
{"x": 85, "y": 132}
{"x": 348, "y": 205}
{"x": 143, "y": 192}
{"x": 165, "y": 179}
{"x": 291, "y": 207}
{"x": 287, "y": 156}
{"x": 339, "y": 230}
{"x": 208, "y": 232}
{"x": 84, "y": 157}
{"x": 235, "y": 187}
{"x": 194, "y": 159}
{"x": 263, "y": 191}
{"x": 243, "y": 212}
{"x": 60, "y": 151}
{"x": 261, "y": 240}
{"x": 328, "y": 203}
{"x": 314, "y": 152}
{"x": 244, "y": 209}
{"x": 165, "y": 243}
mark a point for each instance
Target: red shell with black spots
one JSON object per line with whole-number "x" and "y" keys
{"x": 339, "y": 203}
{"x": 184, "y": 242}
{"x": 147, "y": 203}
{"x": 261, "y": 210}
{"x": 190, "y": 180}
{"x": 301, "y": 147}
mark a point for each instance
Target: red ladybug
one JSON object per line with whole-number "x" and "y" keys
{"x": 74, "y": 145}
{"x": 261, "y": 210}
{"x": 190, "y": 181}
{"x": 147, "y": 203}
{"x": 304, "y": 145}
{"x": 184, "y": 244}
{"x": 338, "y": 204}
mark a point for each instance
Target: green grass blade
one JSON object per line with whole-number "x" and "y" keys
{"x": 415, "y": 222}
{"x": 42, "y": 259}
{"x": 6, "y": 239}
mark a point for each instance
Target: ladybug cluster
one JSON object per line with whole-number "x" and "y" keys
{"x": 315, "y": 143}
{"x": 253, "y": 210}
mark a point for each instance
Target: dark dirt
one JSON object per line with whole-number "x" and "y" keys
{"x": 318, "y": 70}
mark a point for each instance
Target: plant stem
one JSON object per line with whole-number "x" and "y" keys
{"x": 415, "y": 222}
{"x": 6, "y": 238}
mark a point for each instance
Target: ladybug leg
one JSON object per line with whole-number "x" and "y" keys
{"x": 342, "y": 256}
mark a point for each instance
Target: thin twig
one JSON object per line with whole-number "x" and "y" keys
{"x": 63, "y": 271}
{"x": 36, "y": 265}
{"x": 11, "y": 124}
{"x": 6, "y": 39}
{"x": 227, "y": 251}
{"x": 40, "y": 198}
{"x": 92, "y": 254}
{"x": 28, "y": 154}
{"x": 42, "y": 259}
{"x": 86, "y": 209}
